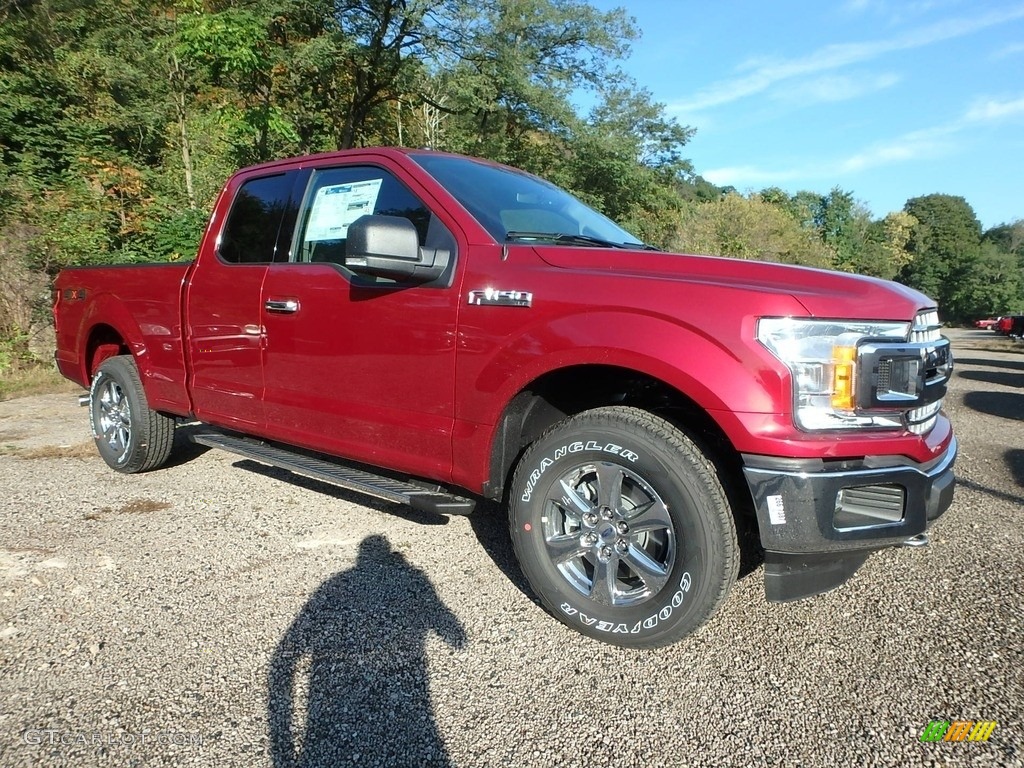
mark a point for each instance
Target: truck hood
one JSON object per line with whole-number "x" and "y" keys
{"x": 822, "y": 292}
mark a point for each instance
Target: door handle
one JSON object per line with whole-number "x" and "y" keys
{"x": 284, "y": 306}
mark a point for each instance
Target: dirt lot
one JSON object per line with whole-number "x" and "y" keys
{"x": 219, "y": 613}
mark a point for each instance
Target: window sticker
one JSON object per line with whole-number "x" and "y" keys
{"x": 338, "y": 205}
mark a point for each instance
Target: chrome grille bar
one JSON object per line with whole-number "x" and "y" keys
{"x": 926, "y": 329}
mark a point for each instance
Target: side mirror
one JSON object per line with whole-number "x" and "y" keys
{"x": 389, "y": 246}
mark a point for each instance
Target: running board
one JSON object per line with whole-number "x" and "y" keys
{"x": 435, "y": 500}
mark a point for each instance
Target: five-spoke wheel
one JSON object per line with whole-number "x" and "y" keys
{"x": 622, "y": 527}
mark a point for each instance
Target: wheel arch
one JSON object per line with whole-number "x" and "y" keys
{"x": 564, "y": 392}
{"x": 108, "y": 329}
{"x": 103, "y": 342}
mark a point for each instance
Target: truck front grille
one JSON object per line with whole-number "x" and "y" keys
{"x": 927, "y": 329}
{"x": 906, "y": 379}
{"x": 920, "y": 420}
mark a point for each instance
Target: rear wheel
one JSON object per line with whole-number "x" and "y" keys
{"x": 622, "y": 528}
{"x": 129, "y": 436}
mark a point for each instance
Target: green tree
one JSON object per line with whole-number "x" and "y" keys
{"x": 840, "y": 226}
{"x": 240, "y": 52}
{"x": 516, "y": 66}
{"x": 750, "y": 228}
{"x": 885, "y": 246}
{"x": 84, "y": 120}
{"x": 380, "y": 44}
{"x": 1007, "y": 237}
{"x": 996, "y": 287}
{"x": 945, "y": 245}
{"x": 856, "y": 242}
{"x": 626, "y": 160}
{"x": 802, "y": 206}
{"x": 1005, "y": 244}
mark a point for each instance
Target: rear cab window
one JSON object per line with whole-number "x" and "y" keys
{"x": 260, "y": 223}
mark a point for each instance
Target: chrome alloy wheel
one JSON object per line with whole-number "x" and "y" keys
{"x": 609, "y": 534}
{"x": 113, "y": 415}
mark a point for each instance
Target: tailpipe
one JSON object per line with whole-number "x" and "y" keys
{"x": 83, "y": 400}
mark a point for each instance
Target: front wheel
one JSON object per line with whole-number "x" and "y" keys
{"x": 622, "y": 528}
{"x": 129, "y": 436}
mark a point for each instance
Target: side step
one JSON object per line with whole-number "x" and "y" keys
{"x": 435, "y": 500}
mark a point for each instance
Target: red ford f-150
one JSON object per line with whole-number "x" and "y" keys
{"x": 459, "y": 329}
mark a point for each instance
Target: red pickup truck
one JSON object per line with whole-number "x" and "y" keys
{"x": 450, "y": 329}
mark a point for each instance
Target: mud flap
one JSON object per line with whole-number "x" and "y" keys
{"x": 789, "y": 576}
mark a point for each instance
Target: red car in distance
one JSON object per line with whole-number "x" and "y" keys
{"x": 1011, "y": 325}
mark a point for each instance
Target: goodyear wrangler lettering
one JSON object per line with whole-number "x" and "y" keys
{"x": 644, "y": 624}
{"x": 574, "y": 447}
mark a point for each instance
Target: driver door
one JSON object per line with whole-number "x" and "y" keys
{"x": 360, "y": 367}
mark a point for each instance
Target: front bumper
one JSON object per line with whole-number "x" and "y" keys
{"x": 819, "y": 520}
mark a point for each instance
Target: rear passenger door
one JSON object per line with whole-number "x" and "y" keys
{"x": 224, "y": 316}
{"x": 362, "y": 367}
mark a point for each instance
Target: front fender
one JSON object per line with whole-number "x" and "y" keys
{"x": 723, "y": 373}
{"x": 726, "y": 372}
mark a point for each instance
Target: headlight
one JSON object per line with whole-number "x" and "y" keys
{"x": 822, "y": 357}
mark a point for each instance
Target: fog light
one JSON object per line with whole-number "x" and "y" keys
{"x": 869, "y": 505}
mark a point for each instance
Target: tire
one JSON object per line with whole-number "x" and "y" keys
{"x": 129, "y": 436}
{"x": 622, "y": 528}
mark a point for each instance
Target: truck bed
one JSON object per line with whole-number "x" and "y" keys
{"x": 140, "y": 304}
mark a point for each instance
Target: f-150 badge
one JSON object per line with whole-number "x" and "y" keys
{"x": 495, "y": 298}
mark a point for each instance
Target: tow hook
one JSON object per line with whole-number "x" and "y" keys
{"x": 921, "y": 540}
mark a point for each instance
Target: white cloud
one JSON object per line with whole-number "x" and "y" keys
{"x": 896, "y": 11}
{"x": 767, "y": 72}
{"x": 899, "y": 150}
{"x": 858, "y": 6}
{"x": 912, "y": 146}
{"x": 990, "y": 110}
{"x": 931, "y": 142}
{"x": 916, "y": 145}
{"x": 833, "y": 88}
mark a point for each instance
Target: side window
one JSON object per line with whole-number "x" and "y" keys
{"x": 251, "y": 231}
{"x": 338, "y": 196}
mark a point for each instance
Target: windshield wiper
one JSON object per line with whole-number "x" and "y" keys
{"x": 564, "y": 237}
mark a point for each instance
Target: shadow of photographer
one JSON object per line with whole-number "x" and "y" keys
{"x": 354, "y": 659}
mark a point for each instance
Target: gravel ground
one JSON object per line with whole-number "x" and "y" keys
{"x": 219, "y": 613}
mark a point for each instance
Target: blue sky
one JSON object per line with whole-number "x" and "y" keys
{"x": 887, "y": 99}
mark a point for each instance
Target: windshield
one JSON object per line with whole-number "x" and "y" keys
{"x": 516, "y": 206}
